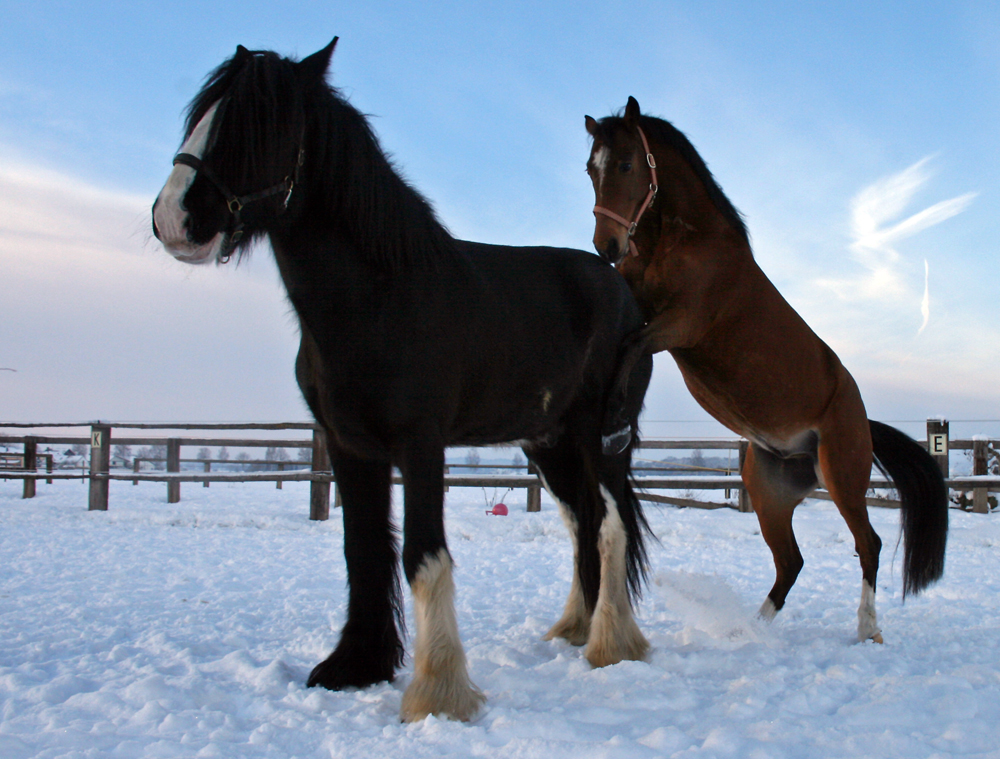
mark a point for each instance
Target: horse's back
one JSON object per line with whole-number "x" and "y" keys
{"x": 564, "y": 278}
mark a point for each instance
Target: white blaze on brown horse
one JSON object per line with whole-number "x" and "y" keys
{"x": 750, "y": 360}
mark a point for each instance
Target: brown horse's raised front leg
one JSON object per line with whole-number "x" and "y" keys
{"x": 776, "y": 486}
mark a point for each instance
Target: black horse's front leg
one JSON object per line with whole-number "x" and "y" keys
{"x": 440, "y": 682}
{"x": 370, "y": 649}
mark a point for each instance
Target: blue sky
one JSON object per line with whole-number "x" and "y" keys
{"x": 859, "y": 140}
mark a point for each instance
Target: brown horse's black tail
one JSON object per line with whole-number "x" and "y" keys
{"x": 924, "y": 504}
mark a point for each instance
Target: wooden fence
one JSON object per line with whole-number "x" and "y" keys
{"x": 318, "y": 473}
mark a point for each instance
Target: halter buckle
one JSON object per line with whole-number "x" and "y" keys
{"x": 235, "y": 206}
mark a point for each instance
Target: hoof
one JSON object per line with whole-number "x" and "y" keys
{"x": 877, "y": 638}
{"x": 573, "y": 631}
{"x": 332, "y": 676}
{"x": 768, "y": 611}
{"x": 356, "y": 666}
{"x": 450, "y": 698}
{"x": 622, "y": 642}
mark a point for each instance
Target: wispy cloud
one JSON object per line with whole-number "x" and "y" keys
{"x": 99, "y": 323}
{"x": 879, "y": 225}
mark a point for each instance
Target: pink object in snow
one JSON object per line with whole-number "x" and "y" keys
{"x": 500, "y": 510}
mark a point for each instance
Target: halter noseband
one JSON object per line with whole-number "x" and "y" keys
{"x": 650, "y": 196}
{"x": 235, "y": 203}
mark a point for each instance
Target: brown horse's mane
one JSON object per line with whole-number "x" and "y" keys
{"x": 662, "y": 132}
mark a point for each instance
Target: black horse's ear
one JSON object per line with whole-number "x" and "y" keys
{"x": 317, "y": 63}
{"x": 591, "y": 125}
{"x": 241, "y": 52}
{"x": 632, "y": 112}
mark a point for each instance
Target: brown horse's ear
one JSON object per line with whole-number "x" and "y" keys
{"x": 317, "y": 63}
{"x": 591, "y": 126}
{"x": 632, "y": 112}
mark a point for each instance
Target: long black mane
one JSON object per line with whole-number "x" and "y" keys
{"x": 263, "y": 101}
{"x": 662, "y": 131}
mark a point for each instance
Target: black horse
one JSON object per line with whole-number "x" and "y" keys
{"x": 413, "y": 341}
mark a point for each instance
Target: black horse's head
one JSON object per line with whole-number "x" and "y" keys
{"x": 238, "y": 170}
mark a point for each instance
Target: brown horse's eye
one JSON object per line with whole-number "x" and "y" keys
{"x": 625, "y": 167}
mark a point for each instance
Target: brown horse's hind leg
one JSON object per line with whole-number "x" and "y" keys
{"x": 776, "y": 486}
{"x": 845, "y": 461}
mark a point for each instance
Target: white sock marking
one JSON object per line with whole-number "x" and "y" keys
{"x": 614, "y": 635}
{"x": 867, "y": 618}
{"x": 767, "y": 610}
{"x": 574, "y": 625}
{"x": 441, "y": 682}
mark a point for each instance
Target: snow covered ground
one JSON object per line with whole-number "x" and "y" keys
{"x": 188, "y": 630}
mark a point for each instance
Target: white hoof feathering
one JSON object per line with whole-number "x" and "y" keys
{"x": 574, "y": 626}
{"x": 867, "y": 619}
{"x": 441, "y": 684}
{"x": 614, "y": 635}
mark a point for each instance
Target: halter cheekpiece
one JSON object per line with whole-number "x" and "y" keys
{"x": 650, "y": 196}
{"x": 234, "y": 202}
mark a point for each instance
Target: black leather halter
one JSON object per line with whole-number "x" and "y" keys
{"x": 234, "y": 202}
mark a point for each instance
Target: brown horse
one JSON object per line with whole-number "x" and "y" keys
{"x": 750, "y": 360}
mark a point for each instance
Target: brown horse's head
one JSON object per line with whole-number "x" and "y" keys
{"x": 624, "y": 175}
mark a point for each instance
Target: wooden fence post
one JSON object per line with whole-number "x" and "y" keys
{"x": 980, "y": 465}
{"x": 534, "y": 492}
{"x": 745, "y": 504}
{"x": 173, "y": 465}
{"x": 100, "y": 464}
{"x": 319, "y": 492}
{"x": 208, "y": 470}
{"x": 937, "y": 443}
{"x": 30, "y": 464}
{"x": 281, "y": 468}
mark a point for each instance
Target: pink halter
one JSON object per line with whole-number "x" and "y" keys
{"x": 653, "y": 187}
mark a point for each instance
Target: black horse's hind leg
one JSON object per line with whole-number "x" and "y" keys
{"x": 370, "y": 649}
{"x": 614, "y": 634}
{"x": 562, "y": 472}
{"x": 440, "y": 682}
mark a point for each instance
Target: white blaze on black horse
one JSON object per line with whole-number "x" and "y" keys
{"x": 170, "y": 218}
{"x": 750, "y": 360}
{"x": 413, "y": 341}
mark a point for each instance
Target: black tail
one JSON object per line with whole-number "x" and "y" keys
{"x": 637, "y": 529}
{"x": 636, "y": 368}
{"x": 924, "y": 500}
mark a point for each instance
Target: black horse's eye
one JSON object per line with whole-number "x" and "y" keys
{"x": 625, "y": 167}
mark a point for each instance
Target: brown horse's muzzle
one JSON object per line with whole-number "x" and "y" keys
{"x": 610, "y": 241}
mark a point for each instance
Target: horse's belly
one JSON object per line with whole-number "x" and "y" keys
{"x": 776, "y": 423}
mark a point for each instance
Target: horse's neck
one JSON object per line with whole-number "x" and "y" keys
{"x": 387, "y": 221}
{"x": 321, "y": 272}
{"x": 691, "y": 283}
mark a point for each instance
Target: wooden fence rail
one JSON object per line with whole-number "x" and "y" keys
{"x": 319, "y": 473}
